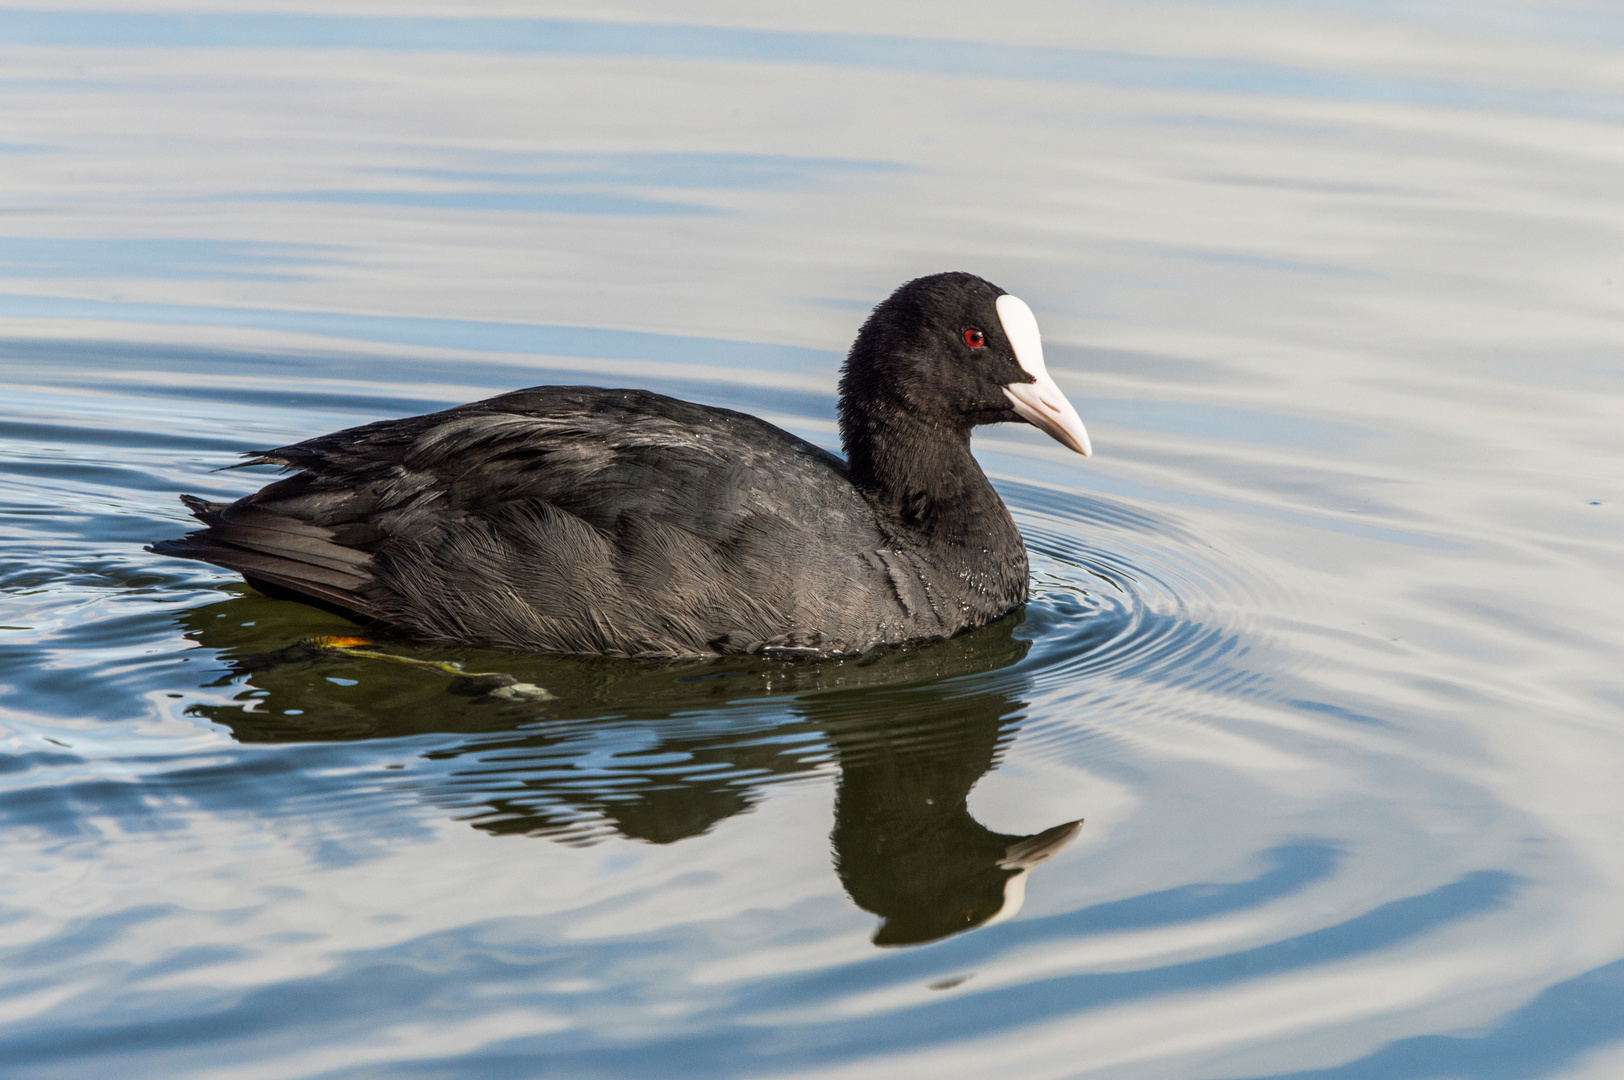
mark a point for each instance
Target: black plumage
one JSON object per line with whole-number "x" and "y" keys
{"x": 624, "y": 523}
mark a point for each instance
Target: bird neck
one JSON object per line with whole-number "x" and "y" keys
{"x": 923, "y": 477}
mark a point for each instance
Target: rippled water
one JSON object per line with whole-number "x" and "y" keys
{"x": 1324, "y": 646}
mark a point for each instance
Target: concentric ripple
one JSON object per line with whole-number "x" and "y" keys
{"x": 1132, "y": 618}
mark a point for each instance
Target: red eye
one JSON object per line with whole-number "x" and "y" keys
{"x": 974, "y": 338}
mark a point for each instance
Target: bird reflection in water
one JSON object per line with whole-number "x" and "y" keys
{"x": 911, "y": 732}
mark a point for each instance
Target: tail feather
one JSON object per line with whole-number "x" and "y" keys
{"x": 288, "y": 553}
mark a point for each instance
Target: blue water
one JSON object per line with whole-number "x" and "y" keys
{"x": 1323, "y": 649}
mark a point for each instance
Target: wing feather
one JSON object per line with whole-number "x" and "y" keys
{"x": 555, "y": 517}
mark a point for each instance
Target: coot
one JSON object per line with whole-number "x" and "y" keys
{"x": 574, "y": 519}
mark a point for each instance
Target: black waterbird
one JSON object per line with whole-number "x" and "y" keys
{"x": 619, "y": 522}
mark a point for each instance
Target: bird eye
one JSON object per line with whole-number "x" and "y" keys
{"x": 974, "y": 338}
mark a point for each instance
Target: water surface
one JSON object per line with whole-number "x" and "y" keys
{"x": 1323, "y": 649}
